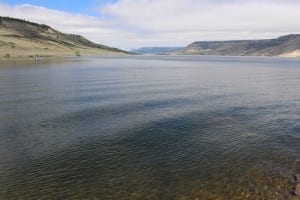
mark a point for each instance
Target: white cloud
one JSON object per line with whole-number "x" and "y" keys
{"x": 205, "y": 16}
{"x": 134, "y": 23}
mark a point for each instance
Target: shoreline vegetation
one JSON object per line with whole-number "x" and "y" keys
{"x": 6, "y": 58}
{"x": 22, "y": 57}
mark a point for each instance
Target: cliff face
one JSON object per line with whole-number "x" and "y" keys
{"x": 19, "y": 38}
{"x": 288, "y": 45}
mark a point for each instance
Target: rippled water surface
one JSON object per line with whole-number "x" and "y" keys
{"x": 181, "y": 127}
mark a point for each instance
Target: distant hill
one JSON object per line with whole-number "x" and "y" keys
{"x": 22, "y": 39}
{"x": 156, "y": 50}
{"x": 288, "y": 46}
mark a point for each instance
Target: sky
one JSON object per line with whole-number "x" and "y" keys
{"x": 131, "y": 24}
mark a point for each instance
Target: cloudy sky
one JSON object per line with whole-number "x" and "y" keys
{"x": 136, "y": 23}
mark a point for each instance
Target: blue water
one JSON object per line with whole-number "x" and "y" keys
{"x": 150, "y": 127}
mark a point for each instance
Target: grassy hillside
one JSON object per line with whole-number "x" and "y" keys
{"x": 23, "y": 39}
{"x": 288, "y": 46}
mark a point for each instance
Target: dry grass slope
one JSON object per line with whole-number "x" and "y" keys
{"x": 21, "y": 39}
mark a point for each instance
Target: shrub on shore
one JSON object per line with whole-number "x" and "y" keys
{"x": 77, "y": 53}
{"x": 7, "y": 56}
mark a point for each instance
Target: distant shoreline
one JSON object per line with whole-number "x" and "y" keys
{"x": 64, "y": 57}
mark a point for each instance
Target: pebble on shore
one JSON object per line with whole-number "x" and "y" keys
{"x": 296, "y": 178}
{"x": 297, "y": 189}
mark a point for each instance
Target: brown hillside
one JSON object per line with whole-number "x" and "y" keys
{"x": 23, "y": 39}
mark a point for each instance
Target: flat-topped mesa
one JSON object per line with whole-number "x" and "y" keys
{"x": 288, "y": 45}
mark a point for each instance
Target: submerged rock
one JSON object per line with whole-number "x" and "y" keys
{"x": 296, "y": 181}
{"x": 297, "y": 190}
{"x": 296, "y": 178}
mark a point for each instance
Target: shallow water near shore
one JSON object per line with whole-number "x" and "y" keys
{"x": 150, "y": 127}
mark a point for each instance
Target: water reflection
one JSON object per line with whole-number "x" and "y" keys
{"x": 150, "y": 128}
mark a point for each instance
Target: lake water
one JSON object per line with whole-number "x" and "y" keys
{"x": 150, "y": 127}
